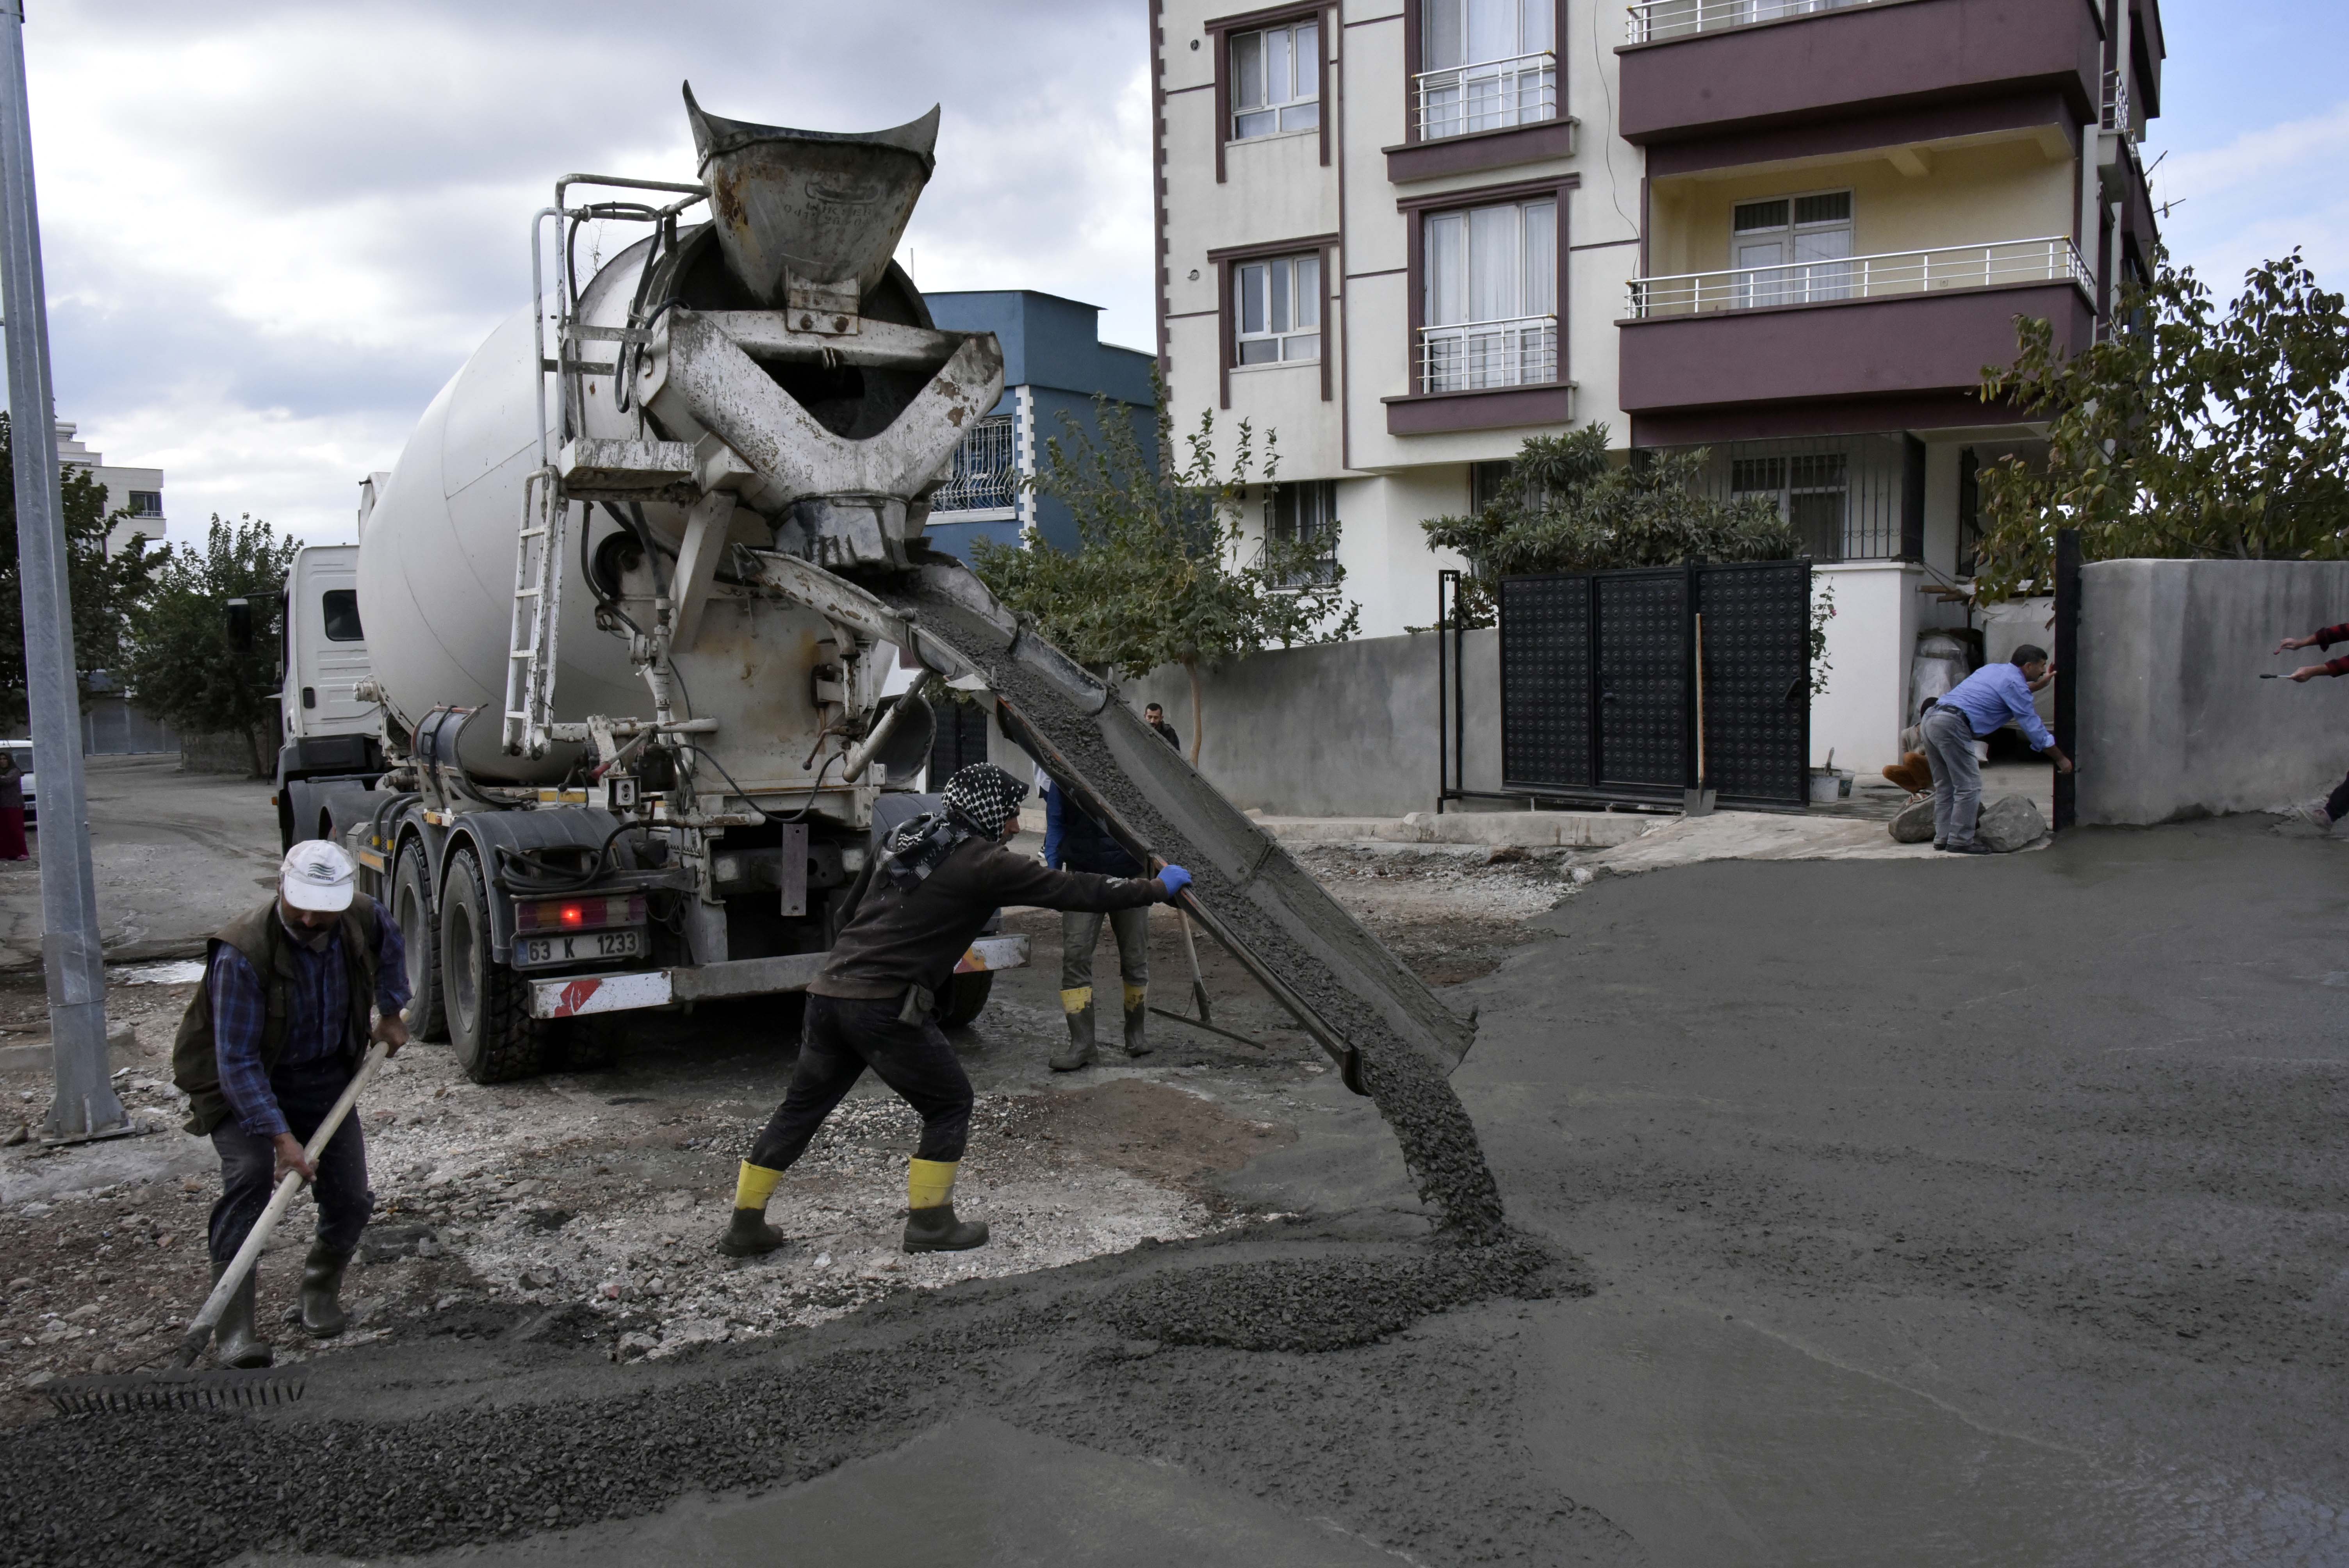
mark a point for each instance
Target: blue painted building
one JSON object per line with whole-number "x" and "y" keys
{"x": 1054, "y": 364}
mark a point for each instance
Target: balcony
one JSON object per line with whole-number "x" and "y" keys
{"x": 1460, "y": 100}
{"x": 2001, "y": 263}
{"x": 1850, "y": 344}
{"x": 1713, "y": 83}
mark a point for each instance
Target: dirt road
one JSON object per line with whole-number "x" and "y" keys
{"x": 1904, "y": 1212}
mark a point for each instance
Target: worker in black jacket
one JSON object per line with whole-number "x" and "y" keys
{"x": 922, "y": 903}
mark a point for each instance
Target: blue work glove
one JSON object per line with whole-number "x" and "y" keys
{"x": 1174, "y": 878}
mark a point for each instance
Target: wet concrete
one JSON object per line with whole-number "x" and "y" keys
{"x": 1903, "y": 1214}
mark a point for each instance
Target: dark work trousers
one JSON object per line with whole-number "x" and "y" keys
{"x": 840, "y": 1039}
{"x": 305, "y": 1094}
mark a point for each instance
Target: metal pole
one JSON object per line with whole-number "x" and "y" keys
{"x": 2067, "y": 672}
{"x": 85, "y": 1106}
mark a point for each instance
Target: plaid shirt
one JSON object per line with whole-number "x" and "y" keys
{"x": 320, "y": 1002}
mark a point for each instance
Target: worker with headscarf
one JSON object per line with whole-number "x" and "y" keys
{"x": 915, "y": 910}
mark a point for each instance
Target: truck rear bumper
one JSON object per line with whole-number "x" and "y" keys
{"x": 577, "y": 995}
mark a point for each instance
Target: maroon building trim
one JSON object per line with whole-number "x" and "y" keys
{"x": 1219, "y": 30}
{"x": 1865, "y": 59}
{"x": 2150, "y": 48}
{"x": 1822, "y": 416}
{"x": 1908, "y": 345}
{"x": 1485, "y": 409}
{"x": 1868, "y": 132}
{"x": 1223, "y": 259}
{"x": 1160, "y": 264}
{"x": 1425, "y": 413}
{"x": 1479, "y": 150}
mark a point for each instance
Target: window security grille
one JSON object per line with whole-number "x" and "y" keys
{"x": 1276, "y": 80}
{"x": 1843, "y": 494}
{"x": 1304, "y": 524}
{"x": 985, "y": 478}
{"x": 1277, "y": 307}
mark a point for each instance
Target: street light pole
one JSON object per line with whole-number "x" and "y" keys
{"x": 85, "y": 1106}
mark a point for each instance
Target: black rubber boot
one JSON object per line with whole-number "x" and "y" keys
{"x": 937, "y": 1230}
{"x": 748, "y": 1236}
{"x": 235, "y": 1342}
{"x": 322, "y": 1289}
{"x": 1078, "y": 1051}
{"x": 1136, "y": 1043}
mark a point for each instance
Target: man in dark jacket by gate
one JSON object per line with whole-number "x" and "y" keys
{"x": 917, "y": 910}
{"x": 1074, "y": 841}
{"x": 269, "y": 1042}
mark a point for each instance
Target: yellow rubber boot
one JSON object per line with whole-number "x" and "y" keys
{"x": 1077, "y": 1003}
{"x": 748, "y": 1234}
{"x": 930, "y": 1222}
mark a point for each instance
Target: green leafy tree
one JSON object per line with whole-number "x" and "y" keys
{"x": 2183, "y": 433}
{"x": 106, "y": 589}
{"x": 183, "y": 669}
{"x": 1565, "y": 506}
{"x": 1162, "y": 573}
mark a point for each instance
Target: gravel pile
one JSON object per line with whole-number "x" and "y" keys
{"x": 1439, "y": 1142}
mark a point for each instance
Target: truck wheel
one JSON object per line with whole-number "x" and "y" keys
{"x": 488, "y": 1004}
{"x": 965, "y": 998}
{"x": 411, "y": 908}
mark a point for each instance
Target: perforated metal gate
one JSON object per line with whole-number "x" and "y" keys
{"x": 1600, "y": 683}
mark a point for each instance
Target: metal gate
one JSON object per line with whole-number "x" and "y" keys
{"x": 1601, "y": 683}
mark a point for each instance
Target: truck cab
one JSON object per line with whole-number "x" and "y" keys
{"x": 332, "y": 737}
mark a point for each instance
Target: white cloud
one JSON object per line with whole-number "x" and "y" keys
{"x": 2258, "y": 196}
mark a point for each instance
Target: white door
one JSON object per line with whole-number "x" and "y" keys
{"x": 329, "y": 646}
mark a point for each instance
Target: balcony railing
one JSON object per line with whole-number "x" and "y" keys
{"x": 1653, "y": 19}
{"x": 1475, "y": 355}
{"x": 985, "y": 477}
{"x": 1488, "y": 96}
{"x": 1999, "y": 263}
{"x": 2116, "y": 115}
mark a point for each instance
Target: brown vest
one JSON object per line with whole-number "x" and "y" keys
{"x": 261, "y": 937}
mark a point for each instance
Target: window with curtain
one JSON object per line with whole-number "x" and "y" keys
{"x": 1277, "y": 310}
{"x": 1303, "y": 524}
{"x": 1489, "y": 306}
{"x": 1276, "y": 80}
{"x": 1484, "y": 64}
{"x": 1791, "y": 250}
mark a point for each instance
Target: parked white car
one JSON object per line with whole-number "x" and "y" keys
{"x": 23, "y": 751}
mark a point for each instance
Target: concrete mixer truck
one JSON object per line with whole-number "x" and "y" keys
{"x": 654, "y": 634}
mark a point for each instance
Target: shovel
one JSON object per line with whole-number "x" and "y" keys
{"x": 1198, "y": 981}
{"x": 181, "y": 1389}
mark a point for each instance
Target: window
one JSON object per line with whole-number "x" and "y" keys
{"x": 1484, "y": 64}
{"x": 985, "y": 479}
{"x": 146, "y": 503}
{"x": 342, "y": 608}
{"x": 1809, "y": 490}
{"x": 1485, "y": 482}
{"x": 1277, "y": 310}
{"x": 1969, "y": 513}
{"x": 1489, "y": 298}
{"x": 1302, "y": 526}
{"x": 1791, "y": 250}
{"x": 1276, "y": 80}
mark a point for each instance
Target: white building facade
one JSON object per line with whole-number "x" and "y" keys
{"x": 137, "y": 491}
{"x": 1406, "y": 234}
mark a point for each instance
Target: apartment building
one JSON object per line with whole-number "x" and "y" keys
{"x": 1406, "y": 234}
{"x": 137, "y": 491}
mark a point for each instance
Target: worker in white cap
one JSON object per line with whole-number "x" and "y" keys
{"x": 291, "y": 995}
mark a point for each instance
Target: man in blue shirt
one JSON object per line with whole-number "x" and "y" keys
{"x": 269, "y": 1041}
{"x": 1977, "y": 706}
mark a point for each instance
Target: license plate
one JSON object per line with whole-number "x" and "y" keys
{"x": 581, "y": 947}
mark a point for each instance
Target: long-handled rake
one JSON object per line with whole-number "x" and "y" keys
{"x": 181, "y": 1388}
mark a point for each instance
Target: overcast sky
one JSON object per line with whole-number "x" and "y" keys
{"x": 273, "y": 230}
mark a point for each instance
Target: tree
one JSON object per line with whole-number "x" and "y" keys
{"x": 1565, "y": 506}
{"x": 2179, "y": 434}
{"x": 182, "y": 668}
{"x": 1159, "y": 575}
{"x": 105, "y": 590}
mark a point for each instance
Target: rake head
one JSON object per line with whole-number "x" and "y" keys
{"x": 136, "y": 1391}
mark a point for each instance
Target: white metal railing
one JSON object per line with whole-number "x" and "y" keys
{"x": 984, "y": 477}
{"x": 1478, "y": 354}
{"x": 1487, "y": 97}
{"x": 2117, "y": 115}
{"x": 1653, "y": 19}
{"x": 2000, "y": 262}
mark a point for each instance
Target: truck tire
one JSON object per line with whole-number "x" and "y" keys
{"x": 411, "y": 910}
{"x": 965, "y": 998}
{"x": 488, "y": 1004}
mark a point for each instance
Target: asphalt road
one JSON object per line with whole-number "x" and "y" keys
{"x": 177, "y": 855}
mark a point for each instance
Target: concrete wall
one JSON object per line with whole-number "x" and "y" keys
{"x": 2174, "y": 719}
{"x": 1343, "y": 730}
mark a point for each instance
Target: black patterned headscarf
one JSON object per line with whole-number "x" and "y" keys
{"x": 985, "y": 796}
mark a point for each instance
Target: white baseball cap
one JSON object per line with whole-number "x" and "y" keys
{"x": 318, "y": 874}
